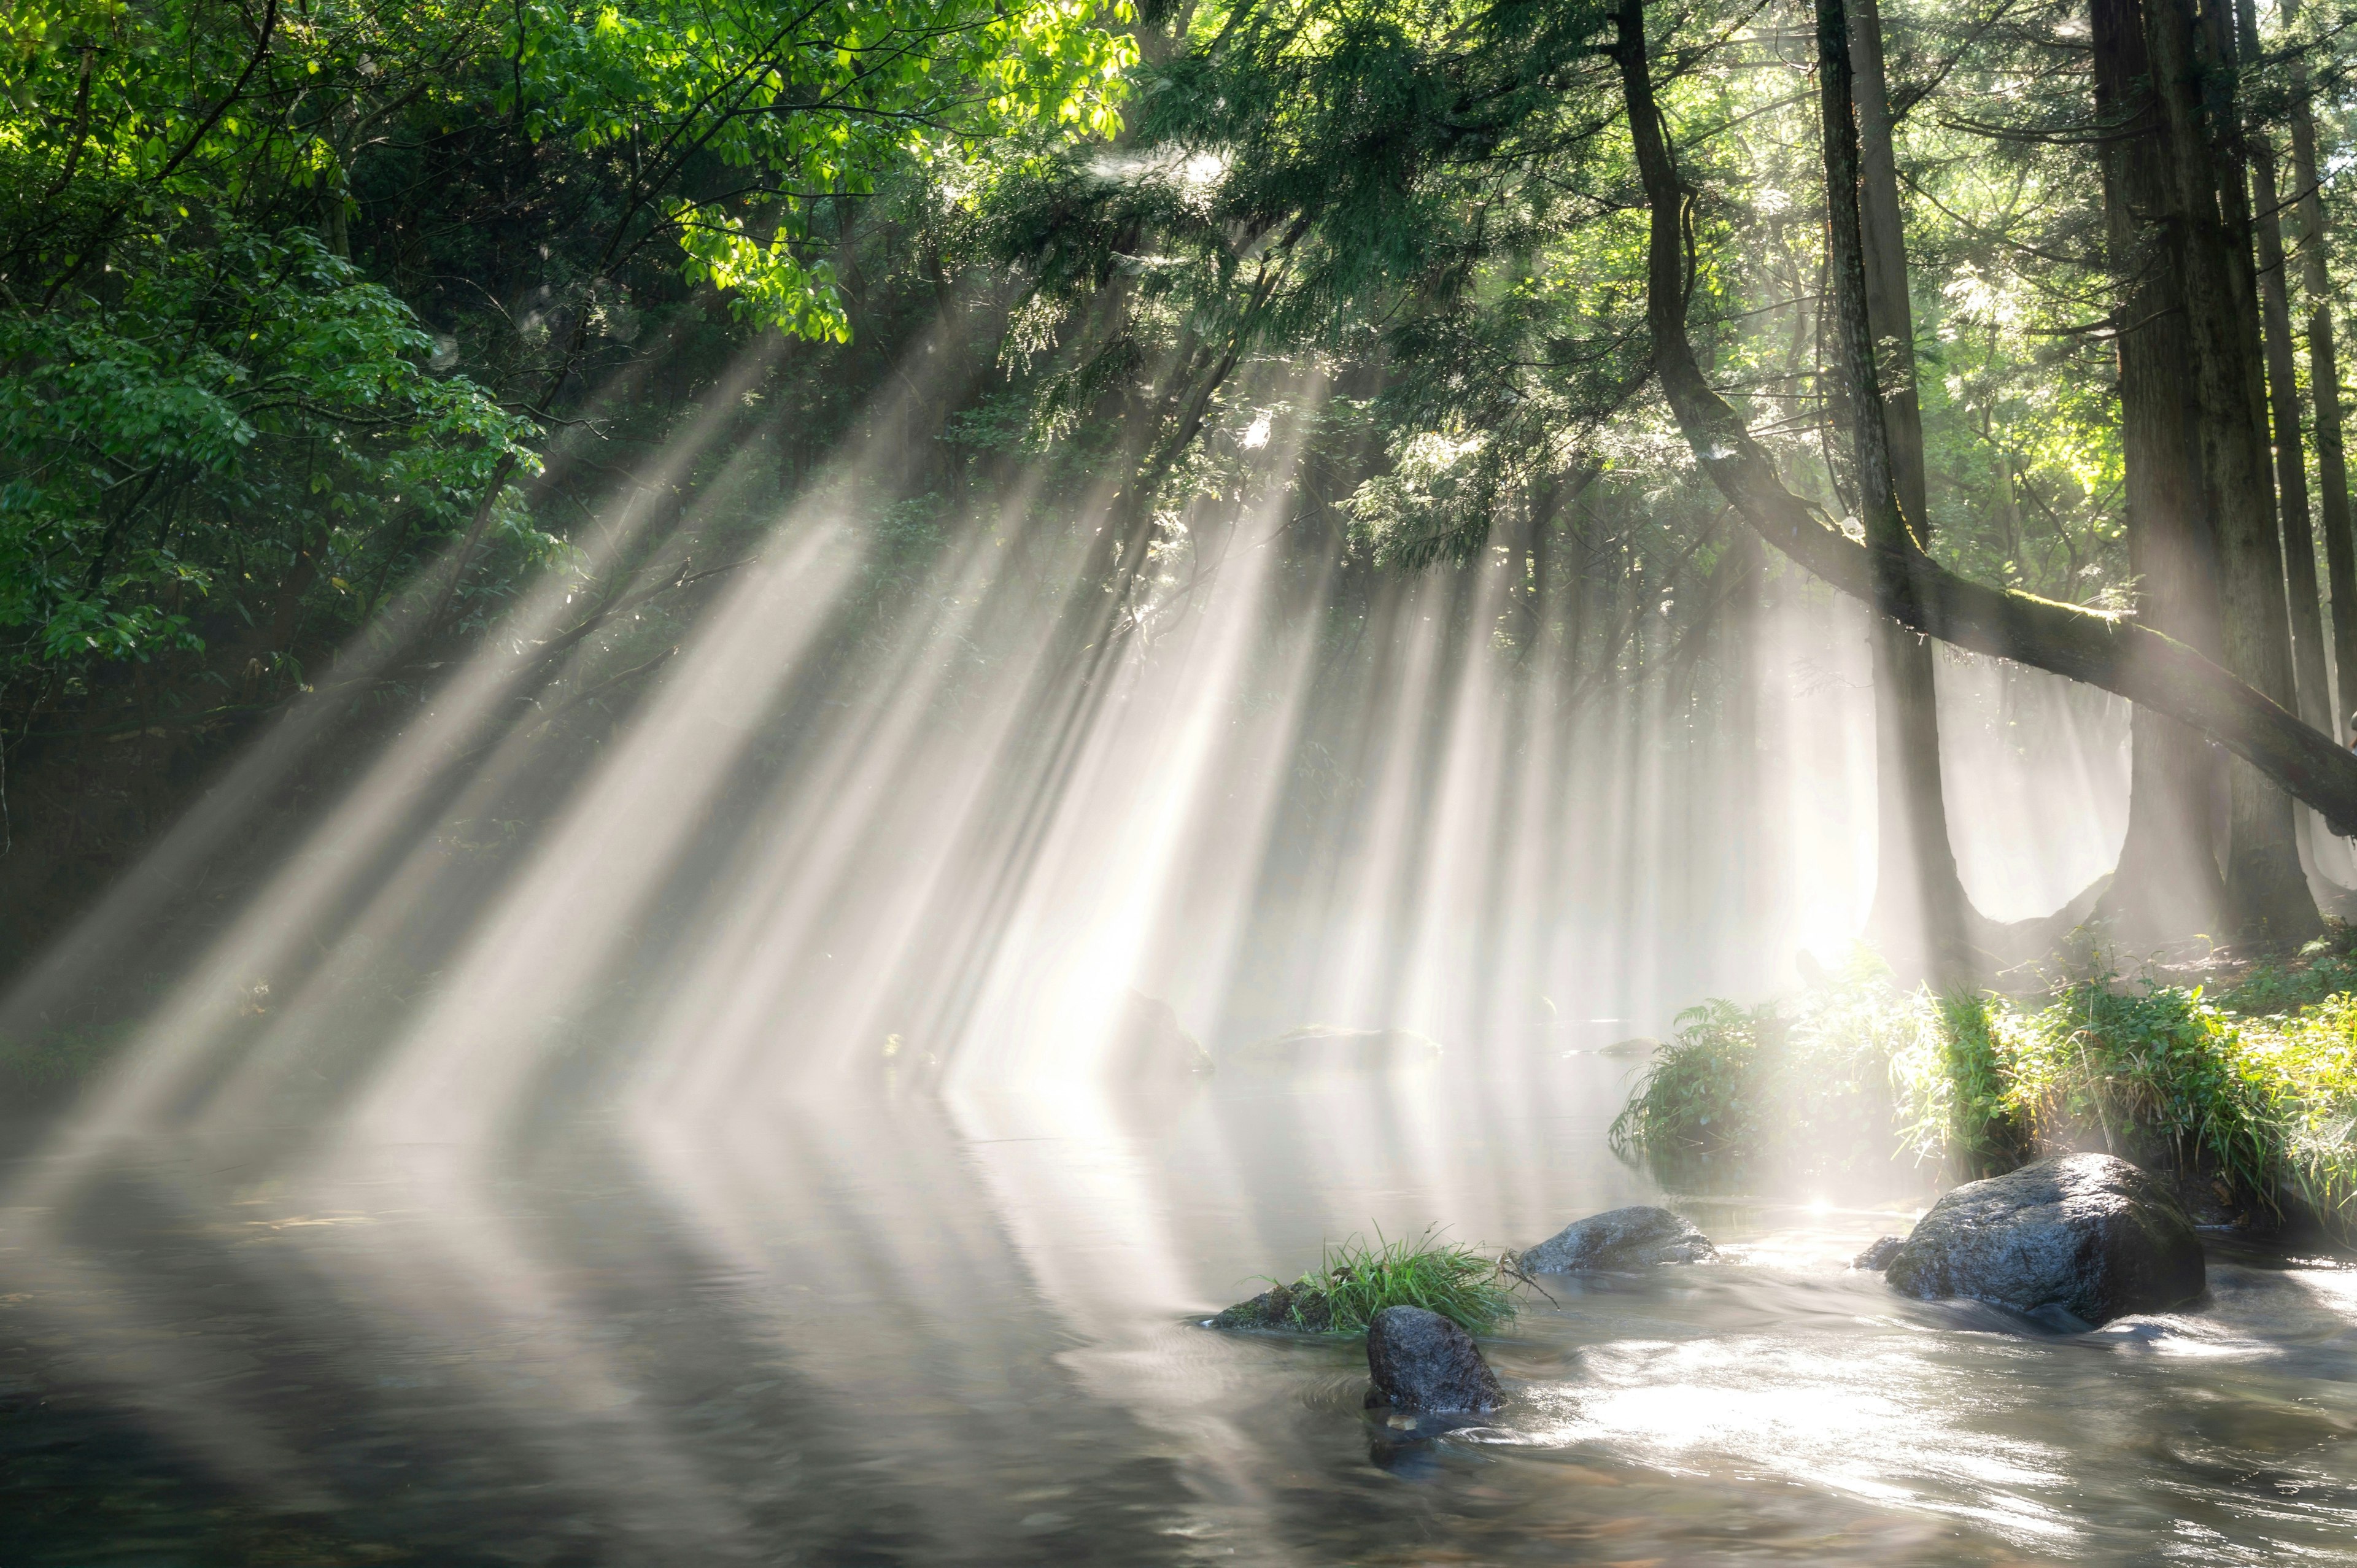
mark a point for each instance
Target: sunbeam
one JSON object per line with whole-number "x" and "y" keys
{"x": 1042, "y": 781}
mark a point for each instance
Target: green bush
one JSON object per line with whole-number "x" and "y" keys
{"x": 1803, "y": 1087}
{"x": 1701, "y": 1096}
{"x": 2260, "y": 1105}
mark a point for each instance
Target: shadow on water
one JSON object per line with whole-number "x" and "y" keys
{"x": 870, "y": 1331}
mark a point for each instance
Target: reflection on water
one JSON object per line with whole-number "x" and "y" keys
{"x": 873, "y": 1331}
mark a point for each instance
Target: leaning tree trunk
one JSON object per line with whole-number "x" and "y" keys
{"x": 2324, "y": 385}
{"x": 2166, "y": 884}
{"x": 1920, "y": 903}
{"x": 2113, "y": 652}
{"x": 2208, "y": 225}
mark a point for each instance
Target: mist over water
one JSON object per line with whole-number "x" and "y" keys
{"x": 741, "y": 1159}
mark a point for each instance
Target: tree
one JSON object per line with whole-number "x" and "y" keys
{"x": 1919, "y": 895}
{"x": 2117, "y": 653}
{"x": 2324, "y": 382}
{"x": 2167, "y": 880}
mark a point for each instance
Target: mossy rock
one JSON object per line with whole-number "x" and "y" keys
{"x": 1293, "y": 1308}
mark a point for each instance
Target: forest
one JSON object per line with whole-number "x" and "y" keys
{"x": 325, "y": 324}
{"x": 622, "y": 621}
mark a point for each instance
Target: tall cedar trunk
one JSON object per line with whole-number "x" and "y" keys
{"x": 2208, "y": 226}
{"x": 1919, "y": 898}
{"x": 2306, "y": 613}
{"x": 2166, "y": 884}
{"x": 2114, "y": 652}
{"x": 1888, "y": 532}
{"x": 2324, "y": 385}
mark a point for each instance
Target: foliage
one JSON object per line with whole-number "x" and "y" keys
{"x": 237, "y": 412}
{"x": 1357, "y": 1279}
{"x": 1734, "y": 1079}
{"x": 313, "y": 313}
{"x": 1702, "y": 1094}
{"x": 2262, "y": 1105}
{"x": 2156, "y": 1075}
{"x": 1958, "y": 1087}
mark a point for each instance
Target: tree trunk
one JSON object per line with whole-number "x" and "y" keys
{"x": 1920, "y": 904}
{"x": 2208, "y": 226}
{"x": 2324, "y": 385}
{"x": 2166, "y": 884}
{"x": 2306, "y": 613}
{"x": 2115, "y": 653}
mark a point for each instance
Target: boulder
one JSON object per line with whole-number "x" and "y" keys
{"x": 1323, "y": 1048}
{"x": 1877, "y": 1257}
{"x": 1617, "y": 1241}
{"x": 1421, "y": 1362}
{"x": 2087, "y": 1234}
{"x": 1147, "y": 1042}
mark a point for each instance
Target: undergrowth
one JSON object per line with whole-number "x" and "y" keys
{"x": 2249, "y": 1094}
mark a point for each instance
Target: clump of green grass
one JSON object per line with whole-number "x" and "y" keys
{"x": 1357, "y": 1279}
{"x": 2249, "y": 1096}
{"x": 1701, "y": 1096}
{"x": 1735, "y": 1084}
{"x": 1951, "y": 1081}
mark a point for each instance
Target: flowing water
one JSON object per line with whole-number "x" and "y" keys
{"x": 910, "y": 1329}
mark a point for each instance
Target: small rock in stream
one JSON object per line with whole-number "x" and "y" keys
{"x": 1877, "y": 1257}
{"x": 1422, "y": 1361}
{"x": 2087, "y": 1234}
{"x": 1618, "y": 1241}
{"x": 1149, "y": 1046}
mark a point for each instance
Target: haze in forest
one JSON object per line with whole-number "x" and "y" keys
{"x": 729, "y": 607}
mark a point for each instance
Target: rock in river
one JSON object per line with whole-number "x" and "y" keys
{"x": 1149, "y": 1045}
{"x": 1877, "y": 1257}
{"x": 1422, "y": 1361}
{"x": 2089, "y": 1234}
{"x": 1300, "y": 1309}
{"x": 1618, "y": 1241}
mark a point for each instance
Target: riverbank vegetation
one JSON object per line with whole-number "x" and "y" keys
{"x": 2243, "y": 1087}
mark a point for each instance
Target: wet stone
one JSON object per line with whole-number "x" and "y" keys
{"x": 1618, "y": 1241}
{"x": 2088, "y": 1235}
{"x": 1290, "y": 1307}
{"x": 1422, "y": 1361}
{"x": 1877, "y": 1257}
{"x": 1149, "y": 1046}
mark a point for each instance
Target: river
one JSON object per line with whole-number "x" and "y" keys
{"x": 882, "y": 1329}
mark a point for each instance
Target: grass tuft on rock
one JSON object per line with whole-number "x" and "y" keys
{"x": 1357, "y": 1279}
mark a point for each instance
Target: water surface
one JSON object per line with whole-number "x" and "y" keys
{"x": 889, "y": 1329}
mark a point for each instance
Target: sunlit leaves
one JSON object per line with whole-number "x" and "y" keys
{"x": 240, "y": 404}
{"x": 814, "y": 102}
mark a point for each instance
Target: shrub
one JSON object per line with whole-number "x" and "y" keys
{"x": 2260, "y": 1104}
{"x": 1701, "y": 1095}
{"x": 1803, "y": 1086}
